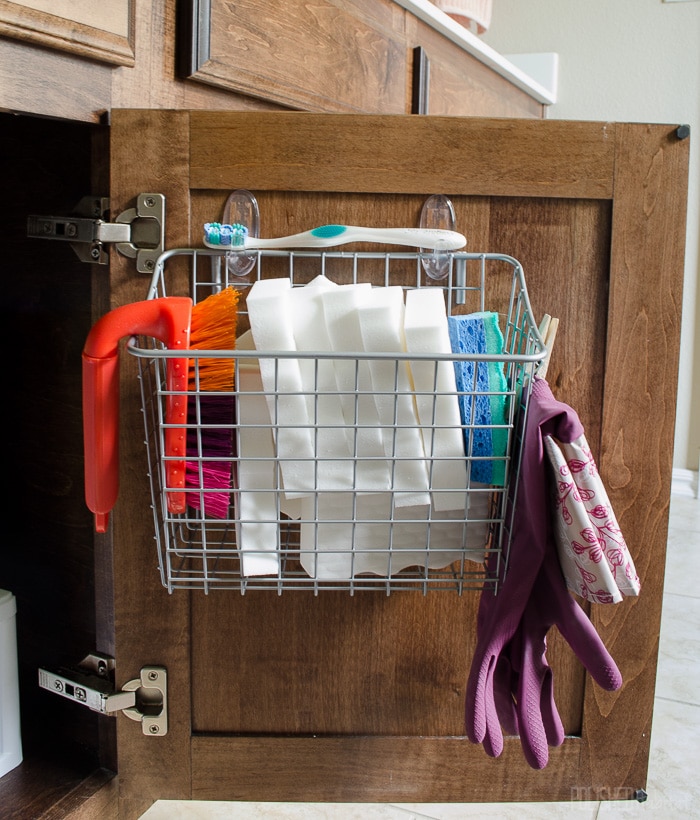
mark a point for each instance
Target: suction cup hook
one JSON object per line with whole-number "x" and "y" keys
{"x": 437, "y": 212}
{"x": 242, "y": 208}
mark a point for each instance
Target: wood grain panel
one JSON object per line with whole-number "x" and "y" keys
{"x": 337, "y": 57}
{"x": 355, "y": 50}
{"x": 56, "y": 83}
{"x": 50, "y": 83}
{"x": 60, "y": 32}
{"x": 152, "y": 82}
{"x": 326, "y": 56}
{"x": 333, "y": 664}
{"x": 461, "y": 85}
{"x": 163, "y": 639}
{"x": 564, "y": 247}
{"x": 311, "y": 152}
{"x": 371, "y": 769}
{"x": 641, "y": 367}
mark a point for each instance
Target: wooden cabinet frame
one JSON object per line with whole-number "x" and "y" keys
{"x": 623, "y": 187}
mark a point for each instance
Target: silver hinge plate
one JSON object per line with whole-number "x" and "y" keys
{"x": 91, "y": 684}
{"x": 138, "y": 233}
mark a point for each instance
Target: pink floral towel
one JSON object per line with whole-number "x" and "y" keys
{"x": 592, "y": 551}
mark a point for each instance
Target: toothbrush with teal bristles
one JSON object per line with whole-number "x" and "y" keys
{"x": 235, "y": 237}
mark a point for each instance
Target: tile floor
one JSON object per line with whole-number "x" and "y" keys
{"x": 673, "y": 784}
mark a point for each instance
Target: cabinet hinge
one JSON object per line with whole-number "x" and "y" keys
{"x": 138, "y": 233}
{"x": 91, "y": 683}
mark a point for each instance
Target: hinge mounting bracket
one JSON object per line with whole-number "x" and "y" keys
{"x": 91, "y": 684}
{"x": 138, "y": 233}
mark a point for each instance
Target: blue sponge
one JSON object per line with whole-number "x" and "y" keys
{"x": 482, "y": 400}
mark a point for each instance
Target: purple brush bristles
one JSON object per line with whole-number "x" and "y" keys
{"x": 209, "y": 438}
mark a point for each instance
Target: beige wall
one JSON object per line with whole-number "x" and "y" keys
{"x": 628, "y": 60}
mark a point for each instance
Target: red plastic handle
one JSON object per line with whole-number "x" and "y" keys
{"x": 168, "y": 320}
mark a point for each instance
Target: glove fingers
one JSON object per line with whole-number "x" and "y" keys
{"x": 586, "y": 644}
{"x": 533, "y": 737}
{"x": 553, "y": 727}
{"x": 576, "y": 628}
{"x": 504, "y": 688}
{"x": 479, "y": 708}
{"x": 493, "y": 738}
{"x": 474, "y": 710}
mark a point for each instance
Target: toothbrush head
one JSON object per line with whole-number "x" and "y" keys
{"x": 212, "y": 233}
{"x": 226, "y": 235}
{"x": 238, "y": 235}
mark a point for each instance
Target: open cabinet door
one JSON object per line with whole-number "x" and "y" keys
{"x": 360, "y": 698}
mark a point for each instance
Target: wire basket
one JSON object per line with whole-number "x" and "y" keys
{"x": 367, "y": 473}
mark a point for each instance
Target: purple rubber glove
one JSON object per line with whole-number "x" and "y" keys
{"x": 500, "y": 614}
{"x": 553, "y": 605}
{"x": 524, "y": 697}
{"x": 500, "y": 705}
{"x": 529, "y": 708}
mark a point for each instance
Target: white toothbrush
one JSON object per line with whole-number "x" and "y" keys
{"x": 236, "y": 237}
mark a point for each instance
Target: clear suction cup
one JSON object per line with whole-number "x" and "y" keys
{"x": 437, "y": 212}
{"x": 241, "y": 207}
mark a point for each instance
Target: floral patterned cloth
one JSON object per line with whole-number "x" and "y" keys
{"x": 592, "y": 550}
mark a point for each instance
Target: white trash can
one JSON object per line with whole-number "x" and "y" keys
{"x": 10, "y": 738}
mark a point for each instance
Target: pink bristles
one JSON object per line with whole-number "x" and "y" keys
{"x": 213, "y": 478}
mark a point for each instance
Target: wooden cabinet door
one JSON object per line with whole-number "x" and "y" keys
{"x": 103, "y": 34}
{"x": 340, "y": 698}
{"x": 68, "y": 50}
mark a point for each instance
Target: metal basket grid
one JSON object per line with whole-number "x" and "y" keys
{"x": 370, "y": 540}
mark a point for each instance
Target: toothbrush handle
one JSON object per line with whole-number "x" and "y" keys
{"x": 329, "y": 236}
{"x": 166, "y": 319}
{"x": 432, "y": 238}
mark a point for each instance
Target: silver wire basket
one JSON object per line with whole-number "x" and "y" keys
{"x": 373, "y": 498}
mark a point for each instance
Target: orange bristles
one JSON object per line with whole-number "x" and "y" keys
{"x": 210, "y": 444}
{"x": 213, "y": 327}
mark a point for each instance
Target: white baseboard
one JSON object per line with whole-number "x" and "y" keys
{"x": 684, "y": 482}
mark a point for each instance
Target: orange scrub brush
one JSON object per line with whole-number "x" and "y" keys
{"x": 211, "y": 405}
{"x": 169, "y": 319}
